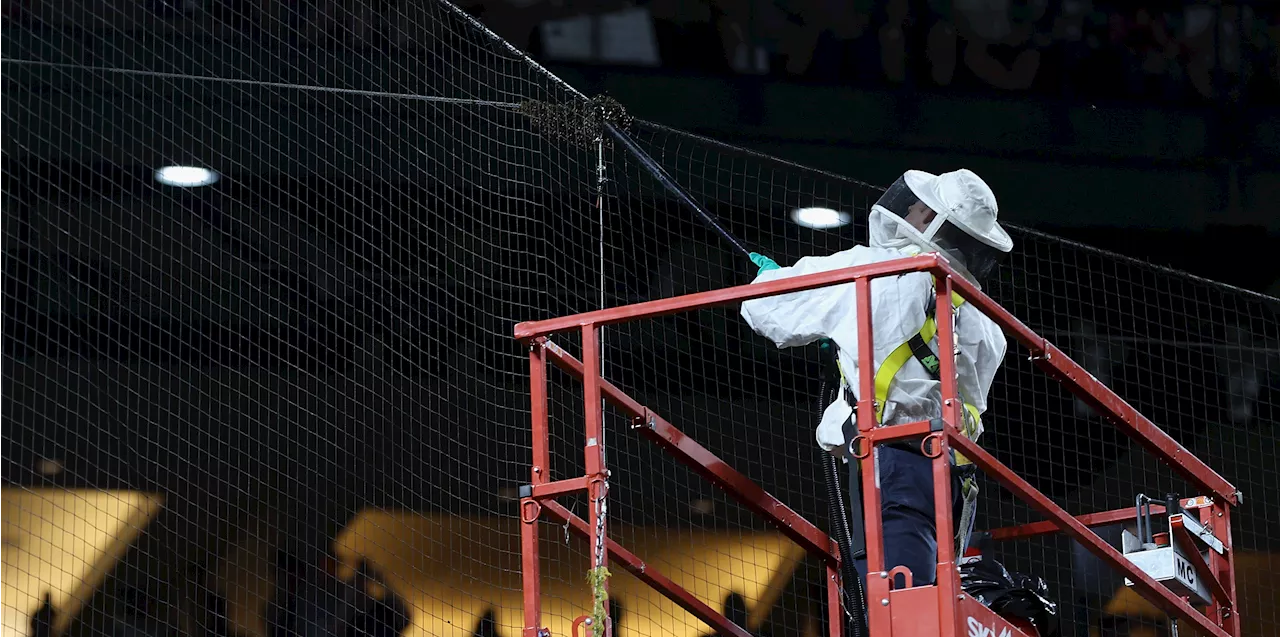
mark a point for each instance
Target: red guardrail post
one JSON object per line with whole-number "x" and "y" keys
{"x": 529, "y": 508}
{"x": 597, "y": 474}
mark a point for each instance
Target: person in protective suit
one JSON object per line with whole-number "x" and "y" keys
{"x": 954, "y": 215}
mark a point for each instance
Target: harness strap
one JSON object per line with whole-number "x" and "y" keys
{"x": 968, "y": 512}
{"x": 857, "y": 532}
{"x": 918, "y": 347}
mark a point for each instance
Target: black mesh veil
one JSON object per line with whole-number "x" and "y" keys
{"x": 904, "y": 218}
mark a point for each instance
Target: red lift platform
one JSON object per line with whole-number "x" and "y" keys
{"x": 938, "y": 610}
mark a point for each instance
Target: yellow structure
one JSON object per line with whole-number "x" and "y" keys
{"x": 63, "y": 543}
{"x": 451, "y": 570}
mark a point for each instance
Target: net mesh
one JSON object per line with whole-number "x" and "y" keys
{"x": 1196, "y": 357}
{"x": 290, "y": 401}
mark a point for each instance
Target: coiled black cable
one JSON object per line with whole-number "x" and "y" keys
{"x": 855, "y": 604}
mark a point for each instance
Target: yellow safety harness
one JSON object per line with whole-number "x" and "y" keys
{"x": 918, "y": 347}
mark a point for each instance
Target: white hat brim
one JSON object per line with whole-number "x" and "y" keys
{"x": 925, "y": 186}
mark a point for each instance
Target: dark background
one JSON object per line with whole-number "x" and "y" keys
{"x": 327, "y": 329}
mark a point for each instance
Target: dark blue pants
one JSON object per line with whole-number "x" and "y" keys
{"x": 906, "y": 499}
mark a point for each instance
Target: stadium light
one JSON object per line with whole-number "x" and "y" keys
{"x": 186, "y": 176}
{"x": 820, "y": 218}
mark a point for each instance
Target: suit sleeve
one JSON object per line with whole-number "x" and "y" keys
{"x": 988, "y": 346}
{"x": 800, "y": 318}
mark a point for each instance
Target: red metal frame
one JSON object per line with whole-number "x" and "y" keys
{"x": 914, "y": 611}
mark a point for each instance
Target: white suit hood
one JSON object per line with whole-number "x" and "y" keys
{"x": 964, "y": 228}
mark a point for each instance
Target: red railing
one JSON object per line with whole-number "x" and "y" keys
{"x": 939, "y": 609}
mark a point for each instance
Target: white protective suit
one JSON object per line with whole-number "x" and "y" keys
{"x": 898, "y": 305}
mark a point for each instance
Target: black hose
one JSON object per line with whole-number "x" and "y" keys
{"x": 661, "y": 175}
{"x": 854, "y": 598}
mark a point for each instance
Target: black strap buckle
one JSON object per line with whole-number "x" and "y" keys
{"x": 850, "y": 432}
{"x": 857, "y": 528}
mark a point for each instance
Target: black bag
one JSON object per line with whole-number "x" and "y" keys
{"x": 1010, "y": 595}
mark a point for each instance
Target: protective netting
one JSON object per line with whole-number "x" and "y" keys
{"x": 290, "y": 401}
{"x": 1198, "y": 358}
{"x": 220, "y": 400}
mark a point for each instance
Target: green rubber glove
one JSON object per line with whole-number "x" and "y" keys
{"x": 764, "y": 262}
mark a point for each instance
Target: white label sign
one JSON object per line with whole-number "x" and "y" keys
{"x": 977, "y": 629}
{"x": 1185, "y": 571}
